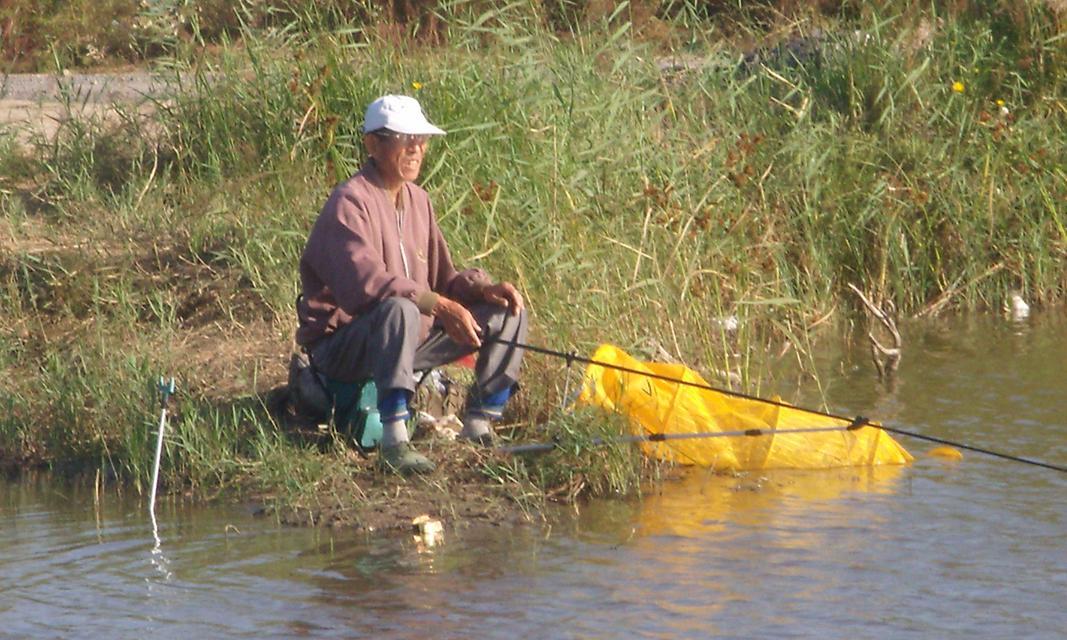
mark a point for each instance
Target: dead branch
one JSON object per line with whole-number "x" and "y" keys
{"x": 886, "y": 359}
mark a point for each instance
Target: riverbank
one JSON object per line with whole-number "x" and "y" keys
{"x": 725, "y": 201}
{"x": 610, "y": 567}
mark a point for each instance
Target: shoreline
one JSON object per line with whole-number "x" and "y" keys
{"x": 714, "y": 217}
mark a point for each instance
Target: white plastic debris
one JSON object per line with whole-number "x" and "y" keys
{"x": 428, "y": 531}
{"x": 447, "y": 427}
{"x": 1018, "y": 309}
{"x": 440, "y": 382}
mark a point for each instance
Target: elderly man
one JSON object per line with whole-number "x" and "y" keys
{"x": 381, "y": 298}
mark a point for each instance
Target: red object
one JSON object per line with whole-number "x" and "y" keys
{"x": 466, "y": 361}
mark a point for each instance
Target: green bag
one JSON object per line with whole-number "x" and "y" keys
{"x": 355, "y": 412}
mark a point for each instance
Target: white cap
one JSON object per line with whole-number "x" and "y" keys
{"x": 401, "y": 114}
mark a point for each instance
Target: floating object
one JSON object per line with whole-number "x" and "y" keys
{"x": 1018, "y": 309}
{"x": 428, "y": 530}
{"x": 790, "y": 438}
{"x": 946, "y": 453}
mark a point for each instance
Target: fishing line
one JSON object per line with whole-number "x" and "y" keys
{"x": 573, "y": 357}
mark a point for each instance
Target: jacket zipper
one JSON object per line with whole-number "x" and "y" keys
{"x": 400, "y": 238}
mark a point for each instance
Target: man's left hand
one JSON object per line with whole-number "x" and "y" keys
{"x": 506, "y": 295}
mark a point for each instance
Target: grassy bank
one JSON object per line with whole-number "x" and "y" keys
{"x": 635, "y": 190}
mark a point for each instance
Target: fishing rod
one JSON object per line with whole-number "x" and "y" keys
{"x": 573, "y": 357}
{"x": 540, "y": 447}
{"x": 988, "y": 452}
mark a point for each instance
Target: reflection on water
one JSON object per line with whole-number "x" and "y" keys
{"x": 940, "y": 549}
{"x": 705, "y": 502}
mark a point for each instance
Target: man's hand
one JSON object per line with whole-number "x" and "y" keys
{"x": 504, "y": 294}
{"x": 457, "y": 322}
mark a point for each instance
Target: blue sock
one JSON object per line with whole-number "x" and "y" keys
{"x": 490, "y": 406}
{"x": 393, "y": 405}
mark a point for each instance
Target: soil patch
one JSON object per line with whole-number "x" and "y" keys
{"x": 466, "y": 487}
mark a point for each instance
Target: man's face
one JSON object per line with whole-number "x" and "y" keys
{"x": 398, "y": 156}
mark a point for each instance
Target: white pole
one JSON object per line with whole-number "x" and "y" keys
{"x": 166, "y": 389}
{"x": 155, "y": 465}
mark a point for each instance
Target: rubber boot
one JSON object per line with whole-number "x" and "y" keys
{"x": 403, "y": 459}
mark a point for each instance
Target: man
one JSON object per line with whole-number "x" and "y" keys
{"x": 381, "y": 298}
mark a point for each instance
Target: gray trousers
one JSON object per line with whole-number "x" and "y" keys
{"x": 384, "y": 344}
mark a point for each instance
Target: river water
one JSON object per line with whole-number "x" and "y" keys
{"x": 936, "y": 549}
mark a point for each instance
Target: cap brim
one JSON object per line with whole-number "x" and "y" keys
{"x": 423, "y": 129}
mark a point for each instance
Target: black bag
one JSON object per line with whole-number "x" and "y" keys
{"x": 307, "y": 390}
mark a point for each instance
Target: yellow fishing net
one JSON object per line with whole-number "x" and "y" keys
{"x": 658, "y": 406}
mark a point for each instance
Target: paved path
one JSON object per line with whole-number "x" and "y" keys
{"x": 99, "y": 87}
{"x": 38, "y": 103}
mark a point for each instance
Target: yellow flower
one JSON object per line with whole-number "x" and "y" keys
{"x": 957, "y": 86}
{"x": 1000, "y": 102}
{"x": 416, "y": 85}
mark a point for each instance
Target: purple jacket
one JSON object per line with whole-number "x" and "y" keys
{"x": 362, "y": 249}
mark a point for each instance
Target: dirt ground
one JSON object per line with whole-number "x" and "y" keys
{"x": 456, "y": 494}
{"x": 468, "y": 485}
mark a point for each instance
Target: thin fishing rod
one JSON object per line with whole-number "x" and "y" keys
{"x": 540, "y": 447}
{"x": 996, "y": 454}
{"x": 574, "y": 357}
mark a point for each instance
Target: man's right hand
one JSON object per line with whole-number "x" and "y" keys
{"x": 457, "y": 322}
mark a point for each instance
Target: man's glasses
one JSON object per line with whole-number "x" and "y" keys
{"x": 403, "y": 139}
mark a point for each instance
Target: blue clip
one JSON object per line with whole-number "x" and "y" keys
{"x": 166, "y": 388}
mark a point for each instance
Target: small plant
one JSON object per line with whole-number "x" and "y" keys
{"x": 590, "y": 458}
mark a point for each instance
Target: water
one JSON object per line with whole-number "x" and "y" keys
{"x": 937, "y": 549}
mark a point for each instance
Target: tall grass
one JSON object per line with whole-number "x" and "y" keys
{"x": 630, "y": 204}
{"x": 581, "y": 160}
